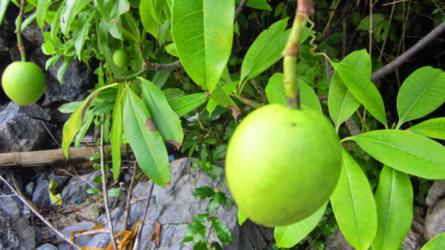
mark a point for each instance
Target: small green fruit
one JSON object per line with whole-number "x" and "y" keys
{"x": 23, "y": 82}
{"x": 282, "y": 164}
{"x": 121, "y": 58}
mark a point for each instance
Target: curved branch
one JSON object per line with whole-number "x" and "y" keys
{"x": 396, "y": 63}
{"x": 18, "y": 30}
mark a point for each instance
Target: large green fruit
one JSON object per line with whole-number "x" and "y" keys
{"x": 121, "y": 58}
{"x": 282, "y": 164}
{"x": 23, "y": 82}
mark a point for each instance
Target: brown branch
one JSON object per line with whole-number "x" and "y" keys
{"x": 34, "y": 210}
{"x": 161, "y": 67}
{"x": 18, "y": 31}
{"x": 129, "y": 194}
{"x": 396, "y": 63}
{"x": 147, "y": 204}
{"x": 104, "y": 188}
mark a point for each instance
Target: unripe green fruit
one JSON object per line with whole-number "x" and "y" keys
{"x": 282, "y": 164}
{"x": 23, "y": 82}
{"x": 121, "y": 58}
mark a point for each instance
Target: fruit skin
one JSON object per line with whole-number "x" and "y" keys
{"x": 23, "y": 82}
{"x": 282, "y": 164}
{"x": 121, "y": 58}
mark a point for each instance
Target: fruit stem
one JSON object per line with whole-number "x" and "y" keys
{"x": 290, "y": 53}
{"x": 18, "y": 30}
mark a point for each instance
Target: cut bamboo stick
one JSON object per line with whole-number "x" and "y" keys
{"x": 45, "y": 157}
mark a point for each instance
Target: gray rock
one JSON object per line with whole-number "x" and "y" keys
{"x": 76, "y": 81}
{"x": 414, "y": 239}
{"x": 33, "y": 34}
{"x": 173, "y": 208}
{"x": 8, "y": 238}
{"x": 15, "y": 233}
{"x": 40, "y": 196}
{"x": 81, "y": 241}
{"x": 74, "y": 192}
{"x": 435, "y": 220}
{"x": 337, "y": 241}
{"x": 436, "y": 192}
{"x": 20, "y": 132}
{"x": 9, "y": 207}
{"x": 47, "y": 246}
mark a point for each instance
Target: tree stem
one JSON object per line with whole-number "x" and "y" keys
{"x": 18, "y": 31}
{"x": 290, "y": 53}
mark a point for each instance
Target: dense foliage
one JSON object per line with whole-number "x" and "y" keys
{"x": 195, "y": 68}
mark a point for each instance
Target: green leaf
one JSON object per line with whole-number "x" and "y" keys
{"x": 83, "y": 34}
{"x": 354, "y": 206}
{"x": 259, "y": 4}
{"x": 221, "y": 96}
{"x": 405, "y": 151}
{"x": 71, "y": 9}
{"x": 115, "y": 192}
{"x": 421, "y": 93}
{"x": 242, "y": 217}
{"x": 72, "y": 125}
{"x": 265, "y": 50}
{"x": 86, "y": 124}
{"x": 69, "y": 107}
{"x": 145, "y": 140}
{"x": 3, "y": 7}
{"x": 185, "y": 104}
{"x": 276, "y": 95}
{"x": 433, "y": 128}
{"x": 355, "y": 71}
{"x": 147, "y": 19}
{"x": 56, "y": 198}
{"x": 202, "y": 193}
{"x": 116, "y": 133}
{"x": 41, "y": 9}
{"x": 203, "y": 34}
{"x": 222, "y": 232}
{"x": 171, "y": 49}
{"x": 341, "y": 103}
{"x": 166, "y": 120}
{"x": 289, "y": 236}
{"x": 394, "y": 199}
{"x": 436, "y": 243}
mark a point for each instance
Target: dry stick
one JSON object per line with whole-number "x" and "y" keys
{"x": 405, "y": 56}
{"x": 32, "y": 208}
{"x": 147, "y": 204}
{"x": 104, "y": 188}
{"x": 240, "y": 8}
{"x": 18, "y": 31}
{"x": 130, "y": 191}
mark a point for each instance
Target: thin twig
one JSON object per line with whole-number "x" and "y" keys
{"x": 240, "y": 8}
{"x": 34, "y": 210}
{"x": 129, "y": 193}
{"x": 147, "y": 204}
{"x": 18, "y": 31}
{"x": 104, "y": 187}
{"x": 396, "y": 63}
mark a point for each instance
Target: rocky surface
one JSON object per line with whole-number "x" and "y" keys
{"x": 15, "y": 230}
{"x": 435, "y": 220}
{"x": 173, "y": 208}
{"x": 76, "y": 81}
{"x": 21, "y": 128}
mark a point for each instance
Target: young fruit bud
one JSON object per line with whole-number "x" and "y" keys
{"x": 121, "y": 58}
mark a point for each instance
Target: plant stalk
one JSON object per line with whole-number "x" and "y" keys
{"x": 18, "y": 30}
{"x": 290, "y": 53}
